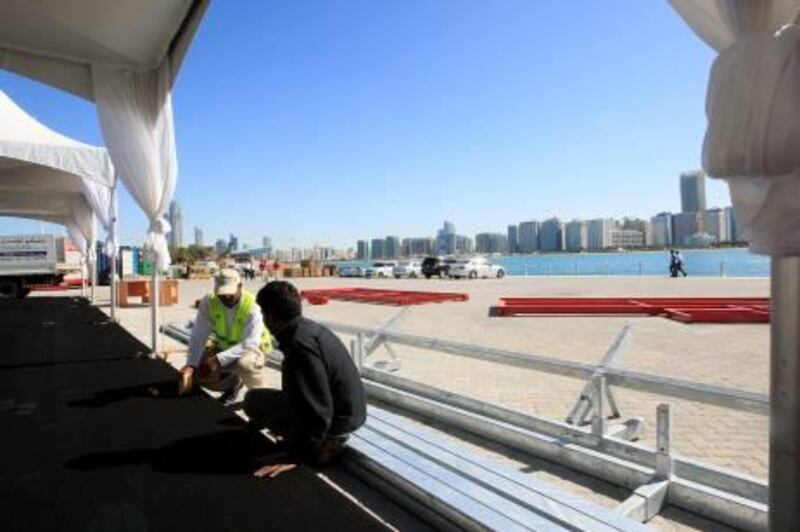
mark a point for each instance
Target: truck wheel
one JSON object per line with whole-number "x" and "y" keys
{"x": 501, "y": 274}
{"x": 428, "y": 276}
{"x": 9, "y": 289}
{"x": 473, "y": 274}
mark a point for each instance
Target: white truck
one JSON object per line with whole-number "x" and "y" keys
{"x": 27, "y": 260}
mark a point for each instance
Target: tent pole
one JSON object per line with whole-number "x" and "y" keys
{"x": 113, "y": 286}
{"x": 83, "y": 273}
{"x": 92, "y": 271}
{"x": 113, "y": 273}
{"x": 154, "y": 301}
{"x": 784, "y": 448}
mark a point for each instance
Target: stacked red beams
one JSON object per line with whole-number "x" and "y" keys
{"x": 381, "y": 297}
{"x": 685, "y": 309}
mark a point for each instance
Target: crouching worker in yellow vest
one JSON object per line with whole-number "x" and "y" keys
{"x": 229, "y": 341}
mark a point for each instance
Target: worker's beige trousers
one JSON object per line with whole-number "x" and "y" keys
{"x": 249, "y": 368}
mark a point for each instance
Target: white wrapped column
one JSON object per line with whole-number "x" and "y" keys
{"x": 135, "y": 112}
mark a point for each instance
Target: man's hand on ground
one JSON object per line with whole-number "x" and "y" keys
{"x": 273, "y": 470}
{"x": 185, "y": 380}
{"x": 209, "y": 365}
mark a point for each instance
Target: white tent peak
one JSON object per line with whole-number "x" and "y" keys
{"x": 23, "y": 138}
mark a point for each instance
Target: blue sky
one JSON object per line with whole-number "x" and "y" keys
{"x": 328, "y": 121}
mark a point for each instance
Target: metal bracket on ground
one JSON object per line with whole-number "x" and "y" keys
{"x": 372, "y": 343}
{"x": 648, "y": 499}
{"x": 589, "y": 401}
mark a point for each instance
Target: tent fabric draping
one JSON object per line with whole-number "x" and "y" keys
{"x": 753, "y": 109}
{"x": 135, "y": 111}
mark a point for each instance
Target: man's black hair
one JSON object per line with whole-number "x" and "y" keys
{"x": 281, "y": 299}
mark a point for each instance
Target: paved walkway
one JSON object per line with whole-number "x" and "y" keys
{"x": 725, "y": 355}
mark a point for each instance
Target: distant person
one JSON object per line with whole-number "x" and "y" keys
{"x": 679, "y": 264}
{"x": 322, "y": 399}
{"x": 229, "y": 342}
{"x": 673, "y": 270}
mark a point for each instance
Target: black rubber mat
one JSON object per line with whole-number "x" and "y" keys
{"x": 93, "y": 437}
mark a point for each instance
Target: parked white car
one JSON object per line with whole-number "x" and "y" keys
{"x": 351, "y": 271}
{"x": 475, "y": 267}
{"x": 408, "y": 268}
{"x": 380, "y": 269}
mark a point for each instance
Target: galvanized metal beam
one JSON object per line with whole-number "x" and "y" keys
{"x": 741, "y": 400}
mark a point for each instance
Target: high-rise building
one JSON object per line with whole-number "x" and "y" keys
{"x": 529, "y": 236}
{"x": 446, "y": 239}
{"x": 684, "y": 226}
{"x": 551, "y": 235}
{"x": 627, "y": 238}
{"x": 233, "y": 243}
{"x": 221, "y": 246}
{"x": 598, "y": 233}
{"x": 463, "y": 245}
{"x": 378, "y": 248}
{"x": 693, "y": 191}
{"x": 575, "y": 236}
{"x": 714, "y": 224}
{"x": 416, "y": 247}
{"x": 362, "y": 252}
{"x": 513, "y": 239}
{"x": 730, "y": 225}
{"x": 639, "y": 225}
{"x": 175, "y": 218}
{"x": 491, "y": 243}
{"x": 392, "y": 250}
{"x": 198, "y": 237}
{"x": 661, "y": 228}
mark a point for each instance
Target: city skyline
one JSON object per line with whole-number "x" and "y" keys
{"x": 505, "y": 120}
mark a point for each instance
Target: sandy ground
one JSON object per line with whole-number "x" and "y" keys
{"x": 725, "y": 355}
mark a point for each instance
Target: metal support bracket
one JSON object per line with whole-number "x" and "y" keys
{"x": 378, "y": 339}
{"x": 588, "y": 401}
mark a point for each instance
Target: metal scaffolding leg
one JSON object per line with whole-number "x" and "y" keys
{"x": 784, "y": 446}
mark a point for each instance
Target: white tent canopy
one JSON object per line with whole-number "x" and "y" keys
{"x": 59, "y": 42}
{"x": 123, "y": 56}
{"x": 44, "y": 170}
{"x": 47, "y": 176}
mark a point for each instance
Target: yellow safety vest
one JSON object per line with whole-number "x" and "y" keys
{"x": 226, "y": 338}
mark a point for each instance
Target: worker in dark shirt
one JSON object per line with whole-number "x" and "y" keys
{"x": 322, "y": 398}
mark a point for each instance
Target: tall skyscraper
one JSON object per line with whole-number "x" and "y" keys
{"x": 730, "y": 225}
{"x": 362, "y": 252}
{"x": 446, "y": 239}
{"x": 576, "y": 237}
{"x": 714, "y": 223}
{"x": 198, "y": 237}
{"x": 221, "y": 246}
{"x": 513, "y": 239}
{"x": 551, "y": 235}
{"x": 598, "y": 233}
{"x": 693, "y": 191}
{"x": 175, "y": 218}
{"x": 233, "y": 243}
{"x": 463, "y": 245}
{"x": 378, "y": 249}
{"x": 491, "y": 243}
{"x": 392, "y": 250}
{"x": 529, "y": 236}
{"x": 684, "y": 226}
{"x": 661, "y": 227}
{"x": 416, "y": 247}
